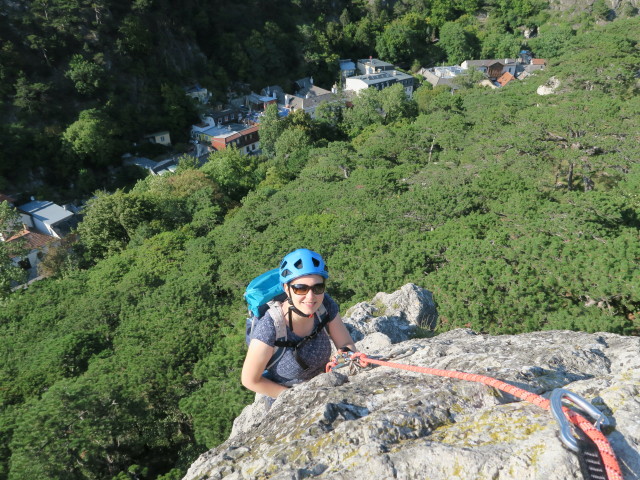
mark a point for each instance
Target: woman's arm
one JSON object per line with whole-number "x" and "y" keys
{"x": 255, "y": 362}
{"x": 340, "y": 335}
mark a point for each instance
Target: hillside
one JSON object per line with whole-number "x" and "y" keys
{"x": 82, "y": 82}
{"x": 520, "y": 212}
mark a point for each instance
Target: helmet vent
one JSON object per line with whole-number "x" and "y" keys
{"x": 316, "y": 262}
{"x": 298, "y": 264}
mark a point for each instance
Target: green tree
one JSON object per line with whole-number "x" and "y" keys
{"x": 404, "y": 40}
{"x": 458, "y": 44}
{"x": 321, "y": 61}
{"x": 366, "y": 111}
{"x": 10, "y": 224}
{"x": 233, "y": 171}
{"x": 94, "y": 138}
{"x": 10, "y": 221}
{"x": 135, "y": 38}
{"x": 396, "y": 105}
{"x": 214, "y": 406}
{"x": 110, "y": 221}
{"x": 552, "y": 40}
{"x": 34, "y": 97}
{"x": 179, "y": 112}
{"x": 87, "y": 76}
{"x": 292, "y": 149}
{"x": 10, "y": 273}
{"x": 600, "y": 10}
{"x": 500, "y": 45}
{"x": 271, "y": 127}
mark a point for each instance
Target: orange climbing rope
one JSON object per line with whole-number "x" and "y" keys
{"x": 608, "y": 456}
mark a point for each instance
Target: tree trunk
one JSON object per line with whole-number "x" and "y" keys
{"x": 433, "y": 141}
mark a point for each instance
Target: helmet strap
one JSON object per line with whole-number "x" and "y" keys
{"x": 296, "y": 310}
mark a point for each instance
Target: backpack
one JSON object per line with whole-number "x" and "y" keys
{"x": 264, "y": 294}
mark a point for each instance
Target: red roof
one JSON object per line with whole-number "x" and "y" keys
{"x": 538, "y": 61}
{"x": 32, "y": 239}
{"x": 505, "y": 78}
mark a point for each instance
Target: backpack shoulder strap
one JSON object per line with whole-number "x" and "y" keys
{"x": 323, "y": 316}
{"x": 275, "y": 312}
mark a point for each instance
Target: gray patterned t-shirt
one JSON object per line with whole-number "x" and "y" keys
{"x": 315, "y": 353}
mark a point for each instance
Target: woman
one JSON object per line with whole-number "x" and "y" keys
{"x": 302, "y": 275}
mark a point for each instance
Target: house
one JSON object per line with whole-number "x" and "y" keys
{"x": 246, "y": 140}
{"x": 438, "y": 76}
{"x": 302, "y": 85}
{"x": 259, "y": 103}
{"x": 505, "y": 78}
{"x": 166, "y": 166}
{"x": 226, "y": 116}
{"x": 34, "y": 245}
{"x": 373, "y": 65}
{"x": 308, "y": 99}
{"x": 153, "y": 167}
{"x": 535, "y": 65}
{"x": 380, "y": 80}
{"x": 161, "y": 138}
{"x": 244, "y": 135}
{"x": 142, "y": 162}
{"x": 347, "y": 68}
{"x": 198, "y": 93}
{"x": 273, "y": 91}
{"x": 492, "y": 68}
{"x": 47, "y": 218}
{"x": 525, "y": 57}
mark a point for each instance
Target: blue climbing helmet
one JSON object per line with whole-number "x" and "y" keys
{"x": 302, "y": 262}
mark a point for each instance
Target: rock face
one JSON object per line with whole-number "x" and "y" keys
{"x": 385, "y": 423}
{"x": 549, "y": 88}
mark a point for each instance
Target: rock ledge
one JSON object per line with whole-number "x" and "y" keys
{"x": 386, "y": 423}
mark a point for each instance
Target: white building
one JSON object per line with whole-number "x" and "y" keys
{"x": 380, "y": 80}
{"x": 46, "y": 217}
{"x": 438, "y": 76}
{"x": 308, "y": 99}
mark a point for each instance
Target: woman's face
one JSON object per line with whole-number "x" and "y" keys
{"x": 307, "y": 302}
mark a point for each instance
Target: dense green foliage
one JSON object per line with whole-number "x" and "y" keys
{"x": 520, "y": 212}
{"x": 81, "y": 82}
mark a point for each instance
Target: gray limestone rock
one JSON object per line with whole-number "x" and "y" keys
{"x": 396, "y": 315}
{"x": 411, "y": 303}
{"x": 385, "y": 423}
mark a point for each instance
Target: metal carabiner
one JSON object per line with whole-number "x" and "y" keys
{"x": 565, "y": 427}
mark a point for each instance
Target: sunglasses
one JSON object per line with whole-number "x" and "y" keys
{"x": 302, "y": 289}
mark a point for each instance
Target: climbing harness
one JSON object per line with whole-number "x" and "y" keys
{"x": 597, "y": 462}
